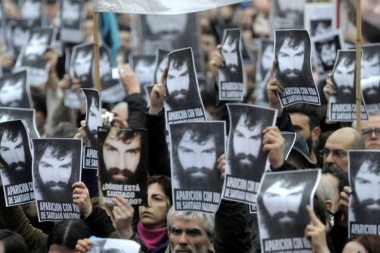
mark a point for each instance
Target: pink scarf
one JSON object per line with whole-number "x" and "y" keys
{"x": 152, "y": 237}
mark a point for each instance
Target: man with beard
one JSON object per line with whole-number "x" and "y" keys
{"x": 15, "y": 153}
{"x": 370, "y": 64}
{"x": 282, "y": 206}
{"x": 93, "y": 119}
{"x": 245, "y": 148}
{"x": 365, "y": 181}
{"x": 320, "y": 27}
{"x": 122, "y": 157}
{"x": 292, "y": 51}
{"x": 232, "y": 72}
{"x": 196, "y": 147}
{"x": 82, "y": 65}
{"x": 288, "y": 13}
{"x": 326, "y": 51}
{"x": 35, "y": 49}
{"x": 54, "y": 169}
{"x": 12, "y": 91}
{"x": 181, "y": 85}
{"x": 344, "y": 78}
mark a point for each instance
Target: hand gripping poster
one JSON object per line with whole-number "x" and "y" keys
{"x": 16, "y": 160}
{"x": 246, "y": 160}
{"x": 282, "y": 213}
{"x": 196, "y": 179}
{"x": 56, "y": 167}
{"x": 122, "y": 165}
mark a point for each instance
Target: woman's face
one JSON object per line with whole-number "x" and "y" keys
{"x": 154, "y": 214}
{"x": 354, "y": 247}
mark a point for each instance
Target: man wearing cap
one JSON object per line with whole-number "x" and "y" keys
{"x": 299, "y": 154}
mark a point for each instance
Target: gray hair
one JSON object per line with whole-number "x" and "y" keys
{"x": 358, "y": 143}
{"x": 370, "y": 113}
{"x": 326, "y": 191}
{"x": 207, "y": 218}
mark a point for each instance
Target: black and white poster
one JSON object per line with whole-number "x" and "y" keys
{"x": 183, "y": 102}
{"x": 231, "y": 83}
{"x": 93, "y": 121}
{"x": 370, "y": 75}
{"x": 293, "y": 70}
{"x": 26, "y": 115}
{"x": 17, "y": 34}
{"x": 81, "y": 64}
{"x": 170, "y": 33}
{"x": 287, "y": 14}
{"x": 342, "y": 106}
{"x": 112, "y": 89}
{"x": 56, "y": 167}
{"x": 31, "y": 56}
{"x": 74, "y": 99}
{"x": 265, "y": 57}
{"x": 123, "y": 168}
{"x": 143, "y": 66}
{"x": 320, "y": 18}
{"x": 325, "y": 49}
{"x": 33, "y": 11}
{"x": 16, "y": 160}
{"x": 73, "y": 14}
{"x": 114, "y": 246}
{"x": 246, "y": 160}
{"x": 364, "y": 176}
{"x": 282, "y": 213}
{"x": 160, "y": 64}
{"x": 196, "y": 179}
{"x": 14, "y": 91}
{"x": 289, "y": 138}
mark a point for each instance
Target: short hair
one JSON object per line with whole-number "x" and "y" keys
{"x": 165, "y": 184}
{"x": 232, "y": 37}
{"x": 371, "y": 243}
{"x": 307, "y": 110}
{"x": 12, "y": 242}
{"x": 207, "y": 218}
{"x": 325, "y": 191}
{"x": 67, "y": 232}
{"x": 358, "y": 142}
{"x": 370, "y": 53}
{"x": 370, "y": 113}
{"x": 357, "y": 159}
{"x": 339, "y": 174}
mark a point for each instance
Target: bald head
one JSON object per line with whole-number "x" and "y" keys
{"x": 338, "y": 144}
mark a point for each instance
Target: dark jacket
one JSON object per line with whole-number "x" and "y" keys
{"x": 136, "y": 110}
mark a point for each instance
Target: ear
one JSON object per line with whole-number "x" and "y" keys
{"x": 328, "y": 204}
{"x": 210, "y": 246}
{"x": 315, "y": 133}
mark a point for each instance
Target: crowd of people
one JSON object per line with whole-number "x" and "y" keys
{"x": 320, "y": 144}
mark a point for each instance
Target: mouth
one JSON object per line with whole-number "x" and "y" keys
{"x": 286, "y": 219}
{"x": 292, "y": 75}
{"x": 373, "y": 207}
{"x": 146, "y": 213}
{"x": 246, "y": 162}
{"x": 119, "y": 176}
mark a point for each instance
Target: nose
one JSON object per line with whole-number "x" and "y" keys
{"x": 14, "y": 156}
{"x": 183, "y": 240}
{"x": 373, "y": 135}
{"x": 198, "y": 161}
{"x": 291, "y": 63}
{"x": 329, "y": 159}
{"x": 121, "y": 163}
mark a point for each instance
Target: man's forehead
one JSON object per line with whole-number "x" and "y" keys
{"x": 283, "y": 188}
{"x": 299, "y": 45}
{"x": 343, "y": 64}
{"x": 13, "y": 83}
{"x": 373, "y": 121}
{"x": 6, "y": 137}
{"x": 49, "y": 151}
{"x": 183, "y": 66}
{"x": 193, "y": 223}
{"x": 368, "y": 167}
{"x": 189, "y": 137}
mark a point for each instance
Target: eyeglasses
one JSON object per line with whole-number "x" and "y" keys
{"x": 367, "y": 132}
{"x": 336, "y": 153}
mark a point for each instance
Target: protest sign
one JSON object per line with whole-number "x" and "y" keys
{"x": 289, "y": 138}
{"x": 15, "y": 91}
{"x": 73, "y": 13}
{"x": 113, "y": 246}
{"x": 27, "y": 116}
